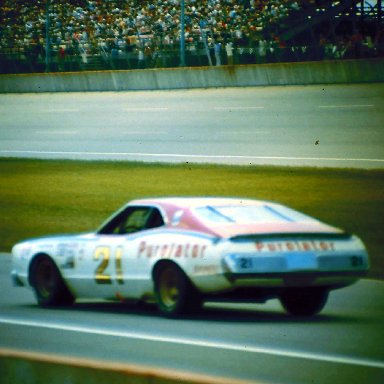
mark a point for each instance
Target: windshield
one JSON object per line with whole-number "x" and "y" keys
{"x": 250, "y": 214}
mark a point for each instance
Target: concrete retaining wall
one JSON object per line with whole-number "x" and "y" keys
{"x": 322, "y": 72}
{"x": 18, "y": 367}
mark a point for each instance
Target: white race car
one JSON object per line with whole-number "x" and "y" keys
{"x": 184, "y": 251}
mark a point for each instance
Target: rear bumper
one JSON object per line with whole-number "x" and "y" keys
{"x": 295, "y": 279}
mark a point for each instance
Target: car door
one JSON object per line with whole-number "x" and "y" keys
{"x": 109, "y": 259}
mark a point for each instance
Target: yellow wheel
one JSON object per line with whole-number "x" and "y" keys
{"x": 169, "y": 287}
{"x": 174, "y": 292}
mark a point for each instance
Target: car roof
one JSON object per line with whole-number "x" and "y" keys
{"x": 171, "y": 205}
{"x": 193, "y": 202}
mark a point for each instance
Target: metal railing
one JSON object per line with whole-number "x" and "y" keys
{"x": 102, "y": 57}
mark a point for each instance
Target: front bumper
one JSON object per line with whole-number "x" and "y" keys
{"x": 16, "y": 280}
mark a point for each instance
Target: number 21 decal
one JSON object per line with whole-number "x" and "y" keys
{"x": 103, "y": 254}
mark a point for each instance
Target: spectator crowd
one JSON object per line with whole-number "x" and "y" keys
{"x": 144, "y": 26}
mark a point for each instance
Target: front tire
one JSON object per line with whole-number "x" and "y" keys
{"x": 49, "y": 287}
{"x": 175, "y": 295}
{"x": 304, "y": 301}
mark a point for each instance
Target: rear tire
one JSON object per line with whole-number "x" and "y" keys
{"x": 49, "y": 287}
{"x": 304, "y": 301}
{"x": 175, "y": 295}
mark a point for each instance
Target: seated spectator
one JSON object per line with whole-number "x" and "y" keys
{"x": 86, "y": 25}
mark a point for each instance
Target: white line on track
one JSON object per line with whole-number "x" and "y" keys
{"x": 336, "y": 359}
{"x": 237, "y": 108}
{"x": 250, "y": 132}
{"x": 346, "y": 106}
{"x": 145, "y": 109}
{"x": 144, "y": 133}
{"x": 184, "y": 156}
{"x": 58, "y": 110}
{"x": 57, "y": 132}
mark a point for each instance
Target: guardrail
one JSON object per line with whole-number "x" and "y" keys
{"x": 305, "y": 73}
{"x": 21, "y": 367}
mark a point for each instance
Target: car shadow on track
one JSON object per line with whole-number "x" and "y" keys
{"x": 209, "y": 313}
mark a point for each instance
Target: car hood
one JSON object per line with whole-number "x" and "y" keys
{"x": 55, "y": 238}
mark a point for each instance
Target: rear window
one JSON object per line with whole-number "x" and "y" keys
{"x": 250, "y": 214}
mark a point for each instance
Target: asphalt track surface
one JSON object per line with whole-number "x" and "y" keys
{"x": 259, "y": 343}
{"x": 332, "y": 125}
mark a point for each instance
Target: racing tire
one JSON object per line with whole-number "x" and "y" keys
{"x": 304, "y": 301}
{"x": 175, "y": 294}
{"x": 50, "y": 289}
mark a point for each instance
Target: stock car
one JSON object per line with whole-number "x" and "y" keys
{"x": 180, "y": 252}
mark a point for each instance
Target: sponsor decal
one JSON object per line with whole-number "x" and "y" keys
{"x": 69, "y": 263}
{"x": 294, "y": 246}
{"x": 66, "y": 249}
{"x": 171, "y": 250}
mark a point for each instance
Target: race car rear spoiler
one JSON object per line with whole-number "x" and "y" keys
{"x": 290, "y": 236}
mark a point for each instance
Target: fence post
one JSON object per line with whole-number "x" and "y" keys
{"x": 182, "y": 34}
{"x": 47, "y": 40}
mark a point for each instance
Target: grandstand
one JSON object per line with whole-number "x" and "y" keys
{"x": 50, "y": 35}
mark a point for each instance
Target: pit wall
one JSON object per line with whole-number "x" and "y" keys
{"x": 306, "y": 73}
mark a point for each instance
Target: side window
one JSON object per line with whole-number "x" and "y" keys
{"x": 134, "y": 219}
{"x": 155, "y": 219}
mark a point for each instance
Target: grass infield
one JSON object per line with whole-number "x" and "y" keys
{"x": 40, "y": 197}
